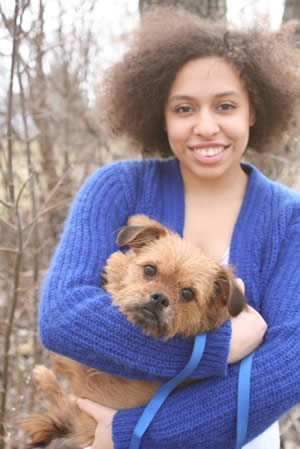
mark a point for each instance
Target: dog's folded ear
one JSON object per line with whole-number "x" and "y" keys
{"x": 138, "y": 236}
{"x": 229, "y": 293}
{"x": 237, "y": 300}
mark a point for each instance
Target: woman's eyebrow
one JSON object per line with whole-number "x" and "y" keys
{"x": 226, "y": 93}
{"x": 180, "y": 97}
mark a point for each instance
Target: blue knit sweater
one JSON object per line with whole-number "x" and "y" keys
{"x": 78, "y": 320}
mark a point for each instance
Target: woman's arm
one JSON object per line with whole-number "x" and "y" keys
{"x": 77, "y": 318}
{"x": 204, "y": 414}
{"x": 249, "y": 321}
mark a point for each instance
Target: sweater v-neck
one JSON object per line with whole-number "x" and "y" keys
{"x": 174, "y": 207}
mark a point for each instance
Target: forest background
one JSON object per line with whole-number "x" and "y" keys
{"x": 52, "y": 56}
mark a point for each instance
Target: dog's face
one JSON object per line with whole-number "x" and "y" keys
{"x": 168, "y": 286}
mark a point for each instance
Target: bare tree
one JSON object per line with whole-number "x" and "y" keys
{"x": 292, "y": 12}
{"x": 211, "y": 9}
{"x": 13, "y": 215}
{"x": 50, "y": 140}
{"x": 283, "y": 163}
{"x": 40, "y": 108}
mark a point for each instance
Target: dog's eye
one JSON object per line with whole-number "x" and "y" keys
{"x": 150, "y": 271}
{"x": 187, "y": 294}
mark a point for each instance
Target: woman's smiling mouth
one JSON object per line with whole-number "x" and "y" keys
{"x": 209, "y": 153}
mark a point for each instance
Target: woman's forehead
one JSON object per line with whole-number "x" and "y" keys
{"x": 208, "y": 75}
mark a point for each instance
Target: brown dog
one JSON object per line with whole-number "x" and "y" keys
{"x": 163, "y": 284}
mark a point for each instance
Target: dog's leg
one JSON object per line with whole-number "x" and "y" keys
{"x": 64, "y": 426}
{"x": 49, "y": 386}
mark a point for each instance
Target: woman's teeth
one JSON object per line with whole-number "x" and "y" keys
{"x": 209, "y": 151}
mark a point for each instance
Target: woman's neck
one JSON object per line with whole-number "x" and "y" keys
{"x": 231, "y": 185}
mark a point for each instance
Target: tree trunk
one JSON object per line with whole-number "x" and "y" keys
{"x": 283, "y": 163}
{"x": 39, "y": 106}
{"x": 210, "y": 9}
{"x": 292, "y": 12}
{"x": 41, "y": 115}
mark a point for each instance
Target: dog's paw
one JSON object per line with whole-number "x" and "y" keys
{"x": 44, "y": 378}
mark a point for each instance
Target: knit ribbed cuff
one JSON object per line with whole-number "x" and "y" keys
{"x": 123, "y": 425}
{"x": 215, "y": 358}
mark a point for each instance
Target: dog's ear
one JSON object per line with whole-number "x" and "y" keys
{"x": 237, "y": 299}
{"x": 142, "y": 220}
{"x": 138, "y": 236}
{"x": 229, "y": 293}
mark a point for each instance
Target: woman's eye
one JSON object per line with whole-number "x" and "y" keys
{"x": 187, "y": 294}
{"x": 226, "y": 107}
{"x": 150, "y": 271}
{"x": 184, "y": 109}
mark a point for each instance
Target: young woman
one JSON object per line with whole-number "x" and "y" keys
{"x": 199, "y": 93}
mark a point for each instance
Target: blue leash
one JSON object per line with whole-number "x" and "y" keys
{"x": 243, "y": 400}
{"x": 163, "y": 392}
{"x": 161, "y": 395}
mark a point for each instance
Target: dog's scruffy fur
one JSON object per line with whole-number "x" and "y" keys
{"x": 163, "y": 284}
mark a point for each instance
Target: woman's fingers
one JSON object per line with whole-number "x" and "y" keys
{"x": 103, "y": 416}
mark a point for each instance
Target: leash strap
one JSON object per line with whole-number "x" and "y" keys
{"x": 243, "y": 400}
{"x": 163, "y": 392}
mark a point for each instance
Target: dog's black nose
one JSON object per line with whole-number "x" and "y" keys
{"x": 159, "y": 299}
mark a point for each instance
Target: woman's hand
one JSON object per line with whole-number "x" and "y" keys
{"x": 104, "y": 417}
{"x": 248, "y": 330}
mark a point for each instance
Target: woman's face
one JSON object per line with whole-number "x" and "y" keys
{"x": 207, "y": 117}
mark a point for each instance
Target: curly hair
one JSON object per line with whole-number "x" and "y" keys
{"x": 136, "y": 89}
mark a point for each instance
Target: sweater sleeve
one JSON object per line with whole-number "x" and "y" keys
{"x": 204, "y": 414}
{"x": 77, "y": 318}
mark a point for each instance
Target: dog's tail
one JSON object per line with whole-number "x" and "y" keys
{"x": 66, "y": 427}
{"x": 47, "y": 431}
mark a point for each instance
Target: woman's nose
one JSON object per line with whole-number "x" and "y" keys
{"x": 206, "y": 124}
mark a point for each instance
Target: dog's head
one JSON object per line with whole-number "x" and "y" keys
{"x": 169, "y": 286}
